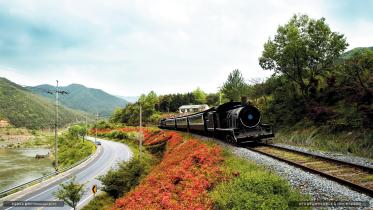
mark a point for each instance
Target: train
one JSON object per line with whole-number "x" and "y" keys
{"x": 234, "y": 122}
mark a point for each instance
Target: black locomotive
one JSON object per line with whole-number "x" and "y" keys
{"x": 234, "y": 122}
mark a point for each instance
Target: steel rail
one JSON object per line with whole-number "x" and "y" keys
{"x": 350, "y": 184}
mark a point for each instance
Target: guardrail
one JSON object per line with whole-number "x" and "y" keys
{"x": 40, "y": 179}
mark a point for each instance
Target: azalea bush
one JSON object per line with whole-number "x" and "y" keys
{"x": 182, "y": 179}
{"x": 191, "y": 174}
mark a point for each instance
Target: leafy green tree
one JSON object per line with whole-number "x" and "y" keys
{"x": 199, "y": 95}
{"x": 116, "y": 115}
{"x": 130, "y": 114}
{"x": 77, "y": 131}
{"x": 120, "y": 181}
{"x": 70, "y": 193}
{"x": 74, "y": 131}
{"x": 235, "y": 86}
{"x": 212, "y": 99}
{"x": 360, "y": 68}
{"x": 302, "y": 49}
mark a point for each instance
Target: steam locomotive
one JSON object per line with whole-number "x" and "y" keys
{"x": 233, "y": 122}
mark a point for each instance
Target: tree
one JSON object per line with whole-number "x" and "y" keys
{"x": 121, "y": 180}
{"x": 302, "y": 49}
{"x": 360, "y": 67}
{"x": 70, "y": 193}
{"x": 199, "y": 96}
{"x": 212, "y": 99}
{"x": 235, "y": 86}
{"x": 74, "y": 131}
{"x": 77, "y": 131}
{"x": 130, "y": 114}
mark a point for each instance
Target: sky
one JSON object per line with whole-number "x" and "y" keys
{"x": 132, "y": 47}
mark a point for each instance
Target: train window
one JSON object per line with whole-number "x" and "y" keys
{"x": 196, "y": 119}
{"x": 181, "y": 121}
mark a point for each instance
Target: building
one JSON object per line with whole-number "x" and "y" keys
{"x": 193, "y": 108}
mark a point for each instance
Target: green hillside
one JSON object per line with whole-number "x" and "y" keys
{"x": 85, "y": 99}
{"x": 22, "y": 108}
{"x": 350, "y": 53}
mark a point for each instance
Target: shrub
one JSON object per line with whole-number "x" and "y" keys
{"x": 157, "y": 149}
{"x": 101, "y": 201}
{"x": 71, "y": 151}
{"x": 320, "y": 114}
{"x": 181, "y": 181}
{"x": 254, "y": 190}
{"x": 119, "y": 181}
{"x": 116, "y": 134}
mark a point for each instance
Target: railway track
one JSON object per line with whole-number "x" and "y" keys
{"x": 357, "y": 177}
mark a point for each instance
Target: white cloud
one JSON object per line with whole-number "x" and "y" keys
{"x": 132, "y": 47}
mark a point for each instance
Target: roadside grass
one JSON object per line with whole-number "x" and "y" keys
{"x": 348, "y": 142}
{"x": 71, "y": 150}
{"x": 244, "y": 184}
{"x": 251, "y": 186}
{"x": 40, "y": 139}
{"x": 100, "y": 201}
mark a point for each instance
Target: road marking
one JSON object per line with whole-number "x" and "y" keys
{"x": 83, "y": 201}
{"x": 112, "y": 160}
{"x": 42, "y": 192}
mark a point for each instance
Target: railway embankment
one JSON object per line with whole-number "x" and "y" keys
{"x": 318, "y": 187}
{"x": 192, "y": 173}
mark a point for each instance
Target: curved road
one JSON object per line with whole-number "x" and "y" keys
{"x": 112, "y": 153}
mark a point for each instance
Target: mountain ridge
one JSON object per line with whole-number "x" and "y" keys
{"x": 80, "y": 97}
{"x": 23, "y": 108}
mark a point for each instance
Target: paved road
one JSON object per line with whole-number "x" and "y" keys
{"x": 112, "y": 152}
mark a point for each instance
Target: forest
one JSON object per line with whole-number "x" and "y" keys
{"x": 315, "y": 84}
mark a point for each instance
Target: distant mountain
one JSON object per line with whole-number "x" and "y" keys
{"x": 349, "y": 53}
{"x": 131, "y": 99}
{"x": 22, "y": 108}
{"x": 85, "y": 99}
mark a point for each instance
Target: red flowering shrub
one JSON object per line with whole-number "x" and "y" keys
{"x": 182, "y": 180}
{"x": 105, "y": 131}
{"x": 152, "y": 137}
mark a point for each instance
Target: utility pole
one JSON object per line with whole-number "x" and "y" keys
{"x": 55, "y": 132}
{"x": 140, "y": 142}
{"x": 96, "y": 126}
{"x": 57, "y": 91}
{"x": 219, "y": 97}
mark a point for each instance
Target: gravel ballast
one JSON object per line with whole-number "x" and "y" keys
{"x": 333, "y": 155}
{"x": 319, "y": 188}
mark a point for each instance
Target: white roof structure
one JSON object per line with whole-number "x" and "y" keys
{"x": 193, "y": 108}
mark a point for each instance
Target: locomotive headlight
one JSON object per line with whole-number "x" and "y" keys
{"x": 249, "y": 116}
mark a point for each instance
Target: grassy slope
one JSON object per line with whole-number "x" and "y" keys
{"x": 237, "y": 191}
{"x": 23, "y": 108}
{"x": 95, "y": 100}
{"x": 343, "y": 133}
{"x": 103, "y": 200}
{"x": 358, "y": 143}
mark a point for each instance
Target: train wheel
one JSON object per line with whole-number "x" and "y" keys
{"x": 230, "y": 139}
